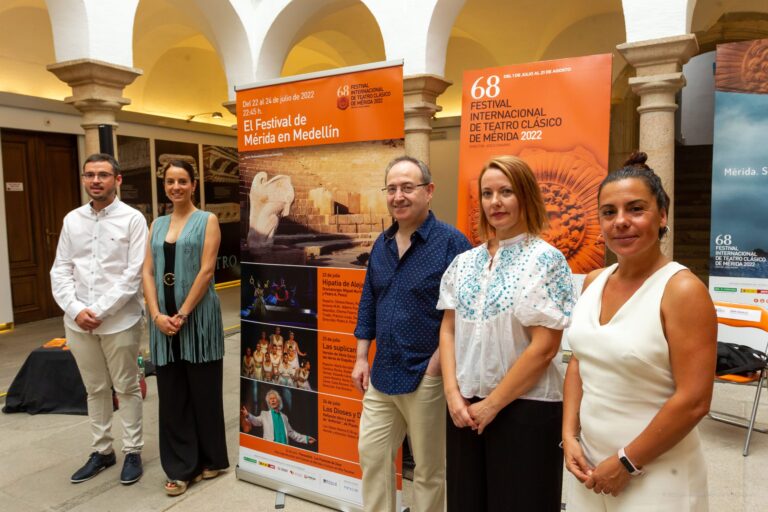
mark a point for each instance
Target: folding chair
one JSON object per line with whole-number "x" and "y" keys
{"x": 743, "y": 315}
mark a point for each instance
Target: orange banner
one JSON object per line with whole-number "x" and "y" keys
{"x": 556, "y": 116}
{"x": 312, "y": 160}
{"x": 338, "y": 294}
{"x": 327, "y": 110}
{"x": 344, "y": 467}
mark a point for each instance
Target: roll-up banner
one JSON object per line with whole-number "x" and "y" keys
{"x": 313, "y": 150}
{"x": 738, "y": 258}
{"x": 555, "y": 115}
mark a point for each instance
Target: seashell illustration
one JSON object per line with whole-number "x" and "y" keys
{"x": 569, "y": 181}
{"x": 742, "y": 67}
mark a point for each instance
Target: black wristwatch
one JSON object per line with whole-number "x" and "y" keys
{"x": 631, "y": 468}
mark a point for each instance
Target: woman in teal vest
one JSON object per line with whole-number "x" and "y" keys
{"x": 186, "y": 337}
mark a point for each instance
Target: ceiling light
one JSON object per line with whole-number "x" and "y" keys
{"x": 214, "y": 115}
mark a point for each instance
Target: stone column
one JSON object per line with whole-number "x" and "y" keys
{"x": 97, "y": 92}
{"x": 420, "y": 94}
{"x": 659, "y": 63}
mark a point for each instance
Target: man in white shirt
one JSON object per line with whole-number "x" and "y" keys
{"x": 96, "y": 280}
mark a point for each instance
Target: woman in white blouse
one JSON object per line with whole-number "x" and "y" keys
{"x": 506, "y": 303}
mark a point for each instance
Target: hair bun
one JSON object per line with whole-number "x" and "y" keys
{"x": 637, "y": 158}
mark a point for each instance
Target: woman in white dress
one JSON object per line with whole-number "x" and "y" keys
{"x": 292, "y": 347}
{"x": 263, "y": 344}
{"x": 268, "y": 371}
{"x": 275, "y": 358}
{"x": 293, "y": 358}
{"x": 302, "y": 376}
{"x": 260, "y": 355}
{"x": 249, "y": 364}
{"x": 506, "y": 303}
{"x": 286, "y": 372}
{"x": 258, "y": 364}
{"x": 277, "y": 340}
{"x": 644, "y": 347}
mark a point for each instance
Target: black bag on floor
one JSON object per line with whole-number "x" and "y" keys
{"x": 738, "y": 359}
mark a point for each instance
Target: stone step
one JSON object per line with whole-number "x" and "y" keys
{"x": 303, "y": 237}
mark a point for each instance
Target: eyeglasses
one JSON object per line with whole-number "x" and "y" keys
{"x": 405, "y": 188}
{"x": 90, "y": 176}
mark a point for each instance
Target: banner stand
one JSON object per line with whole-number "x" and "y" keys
{"x": 738, "y": 249}
{"x": 312, "y": 153}
{"x": 315, "y": 497}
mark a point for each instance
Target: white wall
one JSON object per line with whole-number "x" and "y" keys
{"x": 697, "y": 105}
{"x": 653, "y": 19}
{"x": 444, "y": 164}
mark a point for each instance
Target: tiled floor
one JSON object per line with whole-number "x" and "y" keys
{"x": 39, "y": 453}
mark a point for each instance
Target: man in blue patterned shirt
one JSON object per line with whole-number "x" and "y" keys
{"x": 404, "y": 388}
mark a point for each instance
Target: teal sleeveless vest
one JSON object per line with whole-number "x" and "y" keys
{"x": 202, "y": 336}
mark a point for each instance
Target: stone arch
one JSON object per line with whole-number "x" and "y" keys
{"x": 183, "y": 73}
{"x": 93, "y": 29}
{"x": 461, "y": 48}
{"x": 438, "y": 35}
{"x": 233, "y": 42}
{"x": 25, "y": 30}
{"x": 713, "y": 23}
{"x": 282, "y": 34}
{"x": 343, "y": 36}
{"x": 595, "y": 34}
{"x": 502, "y": 37}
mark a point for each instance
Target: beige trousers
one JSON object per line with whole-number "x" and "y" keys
{"x": 385, "y": 421}
{"x": 106, "y": 361}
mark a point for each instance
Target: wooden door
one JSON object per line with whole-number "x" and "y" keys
{"x": 41, "y": 185}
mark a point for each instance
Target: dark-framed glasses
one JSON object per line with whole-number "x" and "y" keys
{"x": 90, "y": 176}
{"x": 405, "y": 188}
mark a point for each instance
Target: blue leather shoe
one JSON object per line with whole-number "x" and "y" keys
{"x": 132, "y": 469}
{"x": 95, "y": 465}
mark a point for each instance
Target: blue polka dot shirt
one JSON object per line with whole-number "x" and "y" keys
{"x": 397, "y": 306}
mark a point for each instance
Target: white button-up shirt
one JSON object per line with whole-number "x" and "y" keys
{"x": 98, "y": 266}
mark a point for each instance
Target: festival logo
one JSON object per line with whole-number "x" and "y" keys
{"x": 342, "y": 97}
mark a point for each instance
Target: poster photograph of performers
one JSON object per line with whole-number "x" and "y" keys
{"x": 279, "y": 294}
{"x": 279, "y": 355}
{"x": 280, "y": 415}
{"x": 312, "y": 203}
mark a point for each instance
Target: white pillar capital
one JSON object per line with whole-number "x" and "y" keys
{"x": 231, "y": 106}
{"x": 97, "y": 92}
{"x": 659, "y": 56}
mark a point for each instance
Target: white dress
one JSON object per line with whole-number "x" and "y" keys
{"x": 626, "y": 378}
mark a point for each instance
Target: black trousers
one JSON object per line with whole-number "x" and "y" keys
{"x": 514, "y": 465}
{"x": 192, "y": 435}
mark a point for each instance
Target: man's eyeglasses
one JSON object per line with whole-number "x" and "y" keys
{"x": 406, "y": 188}
{"x": 90, "y": 176}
